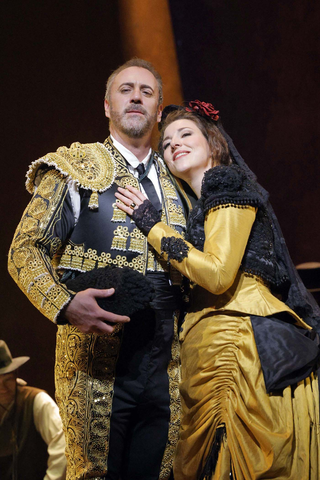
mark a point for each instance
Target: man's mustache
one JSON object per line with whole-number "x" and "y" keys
{"x": 135, "y": 108}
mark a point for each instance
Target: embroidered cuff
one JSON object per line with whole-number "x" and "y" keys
{"x": 176, "y": 248}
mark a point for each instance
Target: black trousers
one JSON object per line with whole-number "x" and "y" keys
{"x": 140, "y": 409}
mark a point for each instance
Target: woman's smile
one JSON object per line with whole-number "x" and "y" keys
{"x": 179, "y": 154}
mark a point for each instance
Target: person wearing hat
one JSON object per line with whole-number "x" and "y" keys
{"x": 32, "y": 444}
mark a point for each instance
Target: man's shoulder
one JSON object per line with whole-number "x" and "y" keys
{"x": 27, "y": 392}
{"x": 90, "y": 165}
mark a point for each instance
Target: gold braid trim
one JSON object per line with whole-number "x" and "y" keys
{"x": 76, "y": 258}
{"x": 34, "y": 246}
{"x": 174, "y": 215}
{"x": 90, "y": 165}
{"x": 84, "y": 377}
{"x": 175, "y": 404}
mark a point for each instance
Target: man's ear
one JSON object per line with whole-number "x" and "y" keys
{"x": 107, "y": 108}
{"x": 159, "y": 113}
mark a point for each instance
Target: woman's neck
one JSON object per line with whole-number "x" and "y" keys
{"x": 195, "y": 182}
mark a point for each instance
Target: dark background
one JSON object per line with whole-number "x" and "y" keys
{"x": 257, "y": 62}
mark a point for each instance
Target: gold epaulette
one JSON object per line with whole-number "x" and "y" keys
{"x": 90, "y": 165}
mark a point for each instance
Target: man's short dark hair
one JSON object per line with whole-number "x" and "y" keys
{"x": 135, "y": 62}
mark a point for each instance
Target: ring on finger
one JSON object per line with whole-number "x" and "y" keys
{"x": 133, "y": 205}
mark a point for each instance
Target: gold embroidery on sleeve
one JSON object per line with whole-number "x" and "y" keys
{"x": 30, "y": 265}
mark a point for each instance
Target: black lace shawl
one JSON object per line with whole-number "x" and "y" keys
{"x": 223, "y": 186}
{"x": 293, "y": 292}
{"x": 266, "y": 255}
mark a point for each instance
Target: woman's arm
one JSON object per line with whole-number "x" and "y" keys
{"x": 227, "y": 232}
{"x": 227, "y": 229}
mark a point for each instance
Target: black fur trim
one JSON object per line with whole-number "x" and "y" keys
{"x": 133, "y": 291}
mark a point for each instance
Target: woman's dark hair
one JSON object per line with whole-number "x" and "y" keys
{"x": 217, "y": 143}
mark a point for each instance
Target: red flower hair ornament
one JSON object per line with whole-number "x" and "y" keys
{"x": 204, "y": 109}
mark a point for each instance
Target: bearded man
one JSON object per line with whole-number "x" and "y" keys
{"x": 116, "y": 380}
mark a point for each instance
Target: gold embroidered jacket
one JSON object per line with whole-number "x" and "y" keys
{"x": 47, "y": 240}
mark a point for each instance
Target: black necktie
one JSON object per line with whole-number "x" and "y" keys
{"x": 149, "y": 188}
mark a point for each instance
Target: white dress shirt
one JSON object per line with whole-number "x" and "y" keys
{"x": 134, "y": 162}
{"x": 48, "y": 423}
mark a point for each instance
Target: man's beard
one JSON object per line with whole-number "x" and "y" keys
{"x": 135, "y": 127}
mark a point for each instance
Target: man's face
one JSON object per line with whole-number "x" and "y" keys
{"x": 133, "y": 104}
{"x": 7, "y": 388}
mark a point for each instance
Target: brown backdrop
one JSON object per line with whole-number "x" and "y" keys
{"x": 258, "y": 63}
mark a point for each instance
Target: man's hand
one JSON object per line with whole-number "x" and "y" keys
{"x": 84, "y": 312}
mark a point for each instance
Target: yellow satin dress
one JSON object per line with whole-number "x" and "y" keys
{"x": 267, "y": 435}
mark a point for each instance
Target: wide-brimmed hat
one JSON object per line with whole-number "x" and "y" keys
{"x": 7, "y": 363}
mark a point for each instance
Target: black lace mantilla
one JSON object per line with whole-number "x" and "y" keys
{"x": 229, "y": 185}
{"x": 293, "y": 291}
{"x": 146, "y": 216}
{"x": 175, "y": 247}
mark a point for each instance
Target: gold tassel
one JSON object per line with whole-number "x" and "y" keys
{"x": 94, "y": 201}
{"x": 118, "y": 215}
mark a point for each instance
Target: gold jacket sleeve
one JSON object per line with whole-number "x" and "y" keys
{"x": 35, "y": 243}
{"x": 226, "y": 235}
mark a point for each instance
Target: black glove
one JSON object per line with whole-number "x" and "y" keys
{"x": 146, "y": 216}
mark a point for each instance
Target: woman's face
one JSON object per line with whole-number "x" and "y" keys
{"x": 186, "y": 150}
